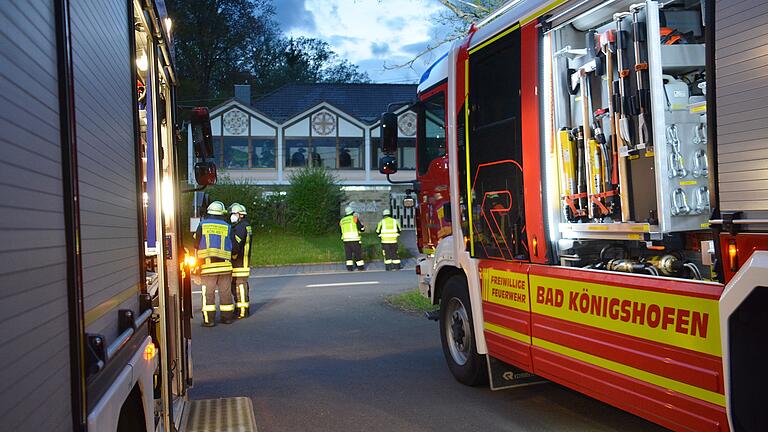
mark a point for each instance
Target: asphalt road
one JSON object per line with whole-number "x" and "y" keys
{"x": 336, "y": 358}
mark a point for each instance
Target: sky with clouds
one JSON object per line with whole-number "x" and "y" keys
{"x": 369, "y": 33}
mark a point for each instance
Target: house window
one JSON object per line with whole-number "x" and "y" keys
{"x": 323, "y": 152}
{"x": 263, "y": 153}
{"x": 331, "y": 142}
{"x": 235, "y": 152}
{"x": 296, "y": 152}
{"x": 351, "y": 153}
{"x": 406, "y": 153}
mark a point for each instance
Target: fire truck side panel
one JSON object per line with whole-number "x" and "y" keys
{"x": 34, "y": 337}
{"x": 628, "y": 341}
{"x": 530, "y": 114}
{"x": 506, "y": 311}
{"x": 106, "y": 162}
{"x": 741, "y": 42}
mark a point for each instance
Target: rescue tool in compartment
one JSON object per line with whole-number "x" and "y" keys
{"x": 642, "y": 99}
{"x": 622, "y": 101}
{"x": 618, "y": 176}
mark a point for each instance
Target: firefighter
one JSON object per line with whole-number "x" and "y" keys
{"x": 214, "y": 248}
{"x": 241, "y": 269}
{"x": 351, "y": 227}
{"x": 389, "y": 231}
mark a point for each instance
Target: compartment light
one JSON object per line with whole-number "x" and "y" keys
{"x": 150, "y": 351}
{"x": 141, "y": 61}
{"x": 733, "y": 255}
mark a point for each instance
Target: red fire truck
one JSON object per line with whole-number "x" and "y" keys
{"x": 592, "y": 201}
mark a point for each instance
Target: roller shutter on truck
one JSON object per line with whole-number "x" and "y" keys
{"x": 106, "y": 163}
{"x": 741, "y": 62}
{"x": 34, "y": 327}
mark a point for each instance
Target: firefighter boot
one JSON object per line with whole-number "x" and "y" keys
{"x": 227, "y": 313}
{"x": 227, "y": 317}
{"x": 209, "y": 318}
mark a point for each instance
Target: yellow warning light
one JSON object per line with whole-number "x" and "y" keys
{"x": 733, "y": 258}
{"x": 150, "y": 351}
{"x": 535, "y": 246}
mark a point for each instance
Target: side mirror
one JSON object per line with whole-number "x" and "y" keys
{"x": 409, "y": 202}
{"x": 389, "y": 133}
{"x": 388, "y": 165}
{"x": 201, "y": 133}
{"x": 205, "y": 173}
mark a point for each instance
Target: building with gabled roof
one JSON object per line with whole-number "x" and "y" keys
{"x": 325, "y": 124}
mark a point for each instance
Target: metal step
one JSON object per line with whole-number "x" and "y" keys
{"x": 221, "y": 415}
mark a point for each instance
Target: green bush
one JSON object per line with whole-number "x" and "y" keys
{"x": 266, "y": 207}
{"x": 313, "y": 201}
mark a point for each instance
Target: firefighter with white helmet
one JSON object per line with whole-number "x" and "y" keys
{"x": 213, "y": 246}
{"x": 351, "y": 227}
{"x": 241, "y": 269}
{"x": 388, "y": 230}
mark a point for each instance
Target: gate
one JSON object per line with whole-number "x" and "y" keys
{"x": 406, "y": 216}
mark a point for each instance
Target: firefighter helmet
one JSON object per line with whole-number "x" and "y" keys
{"x": 216, "y": 208}
{"x": 349, "y": 210}
{"x": 237, "y": 208}
{"x": 386, "y": 212}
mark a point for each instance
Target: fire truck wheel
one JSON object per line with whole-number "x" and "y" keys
{"x": 458, "y": 336}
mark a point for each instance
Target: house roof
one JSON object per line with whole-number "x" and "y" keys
{"x": 365, "y": 102}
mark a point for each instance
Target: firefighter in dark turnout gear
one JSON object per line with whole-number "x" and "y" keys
{"x": 388, "y": 230}
{"x": 241, "y": 269}
{"x": 351, "y": 227}
{"x": 213, "y": 247}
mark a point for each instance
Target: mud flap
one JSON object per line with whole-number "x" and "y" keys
{"x": 504, "y": 376}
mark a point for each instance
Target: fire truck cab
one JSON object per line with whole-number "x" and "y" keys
{"x": 591, "y": 204}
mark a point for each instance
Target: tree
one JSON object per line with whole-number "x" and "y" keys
{"x": 456, "y": 19}
{"x": 212, "y": 40}
{"x": 219, "y": 43}
{"x": 302, "y": 60}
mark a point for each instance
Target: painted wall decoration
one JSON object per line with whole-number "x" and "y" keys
{"x": 235, "y": 122}
{"x": 323, "y": 123}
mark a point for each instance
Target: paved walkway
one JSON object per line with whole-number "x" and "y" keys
{"x": 407, "y": 239}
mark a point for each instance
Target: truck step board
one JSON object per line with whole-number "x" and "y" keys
{"x": 221, "y": 415}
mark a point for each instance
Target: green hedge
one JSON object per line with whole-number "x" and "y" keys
{"x": 313, "y": 201}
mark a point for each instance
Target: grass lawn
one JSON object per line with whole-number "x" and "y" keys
{"x": 278, "y": 247}
{"x": 410, "y": 301}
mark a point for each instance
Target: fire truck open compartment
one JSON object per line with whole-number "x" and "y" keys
{"x": 628, "y": 146}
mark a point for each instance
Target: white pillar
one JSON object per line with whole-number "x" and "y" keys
{"x": 279, "y": 155}
{"x": 367, "y": 135}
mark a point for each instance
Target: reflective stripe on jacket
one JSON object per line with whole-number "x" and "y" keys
{"x": 349, "y": 231}
{"x": 388, "y": 230}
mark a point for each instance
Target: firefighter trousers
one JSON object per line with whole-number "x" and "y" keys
{"x": 354, "y": 254}
{"x": 390, "y": 255}
{"x": 241, "y": 292}
{"x": 221, "y": 282}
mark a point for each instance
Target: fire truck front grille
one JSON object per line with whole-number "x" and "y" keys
{"x": 221, "y": 415}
